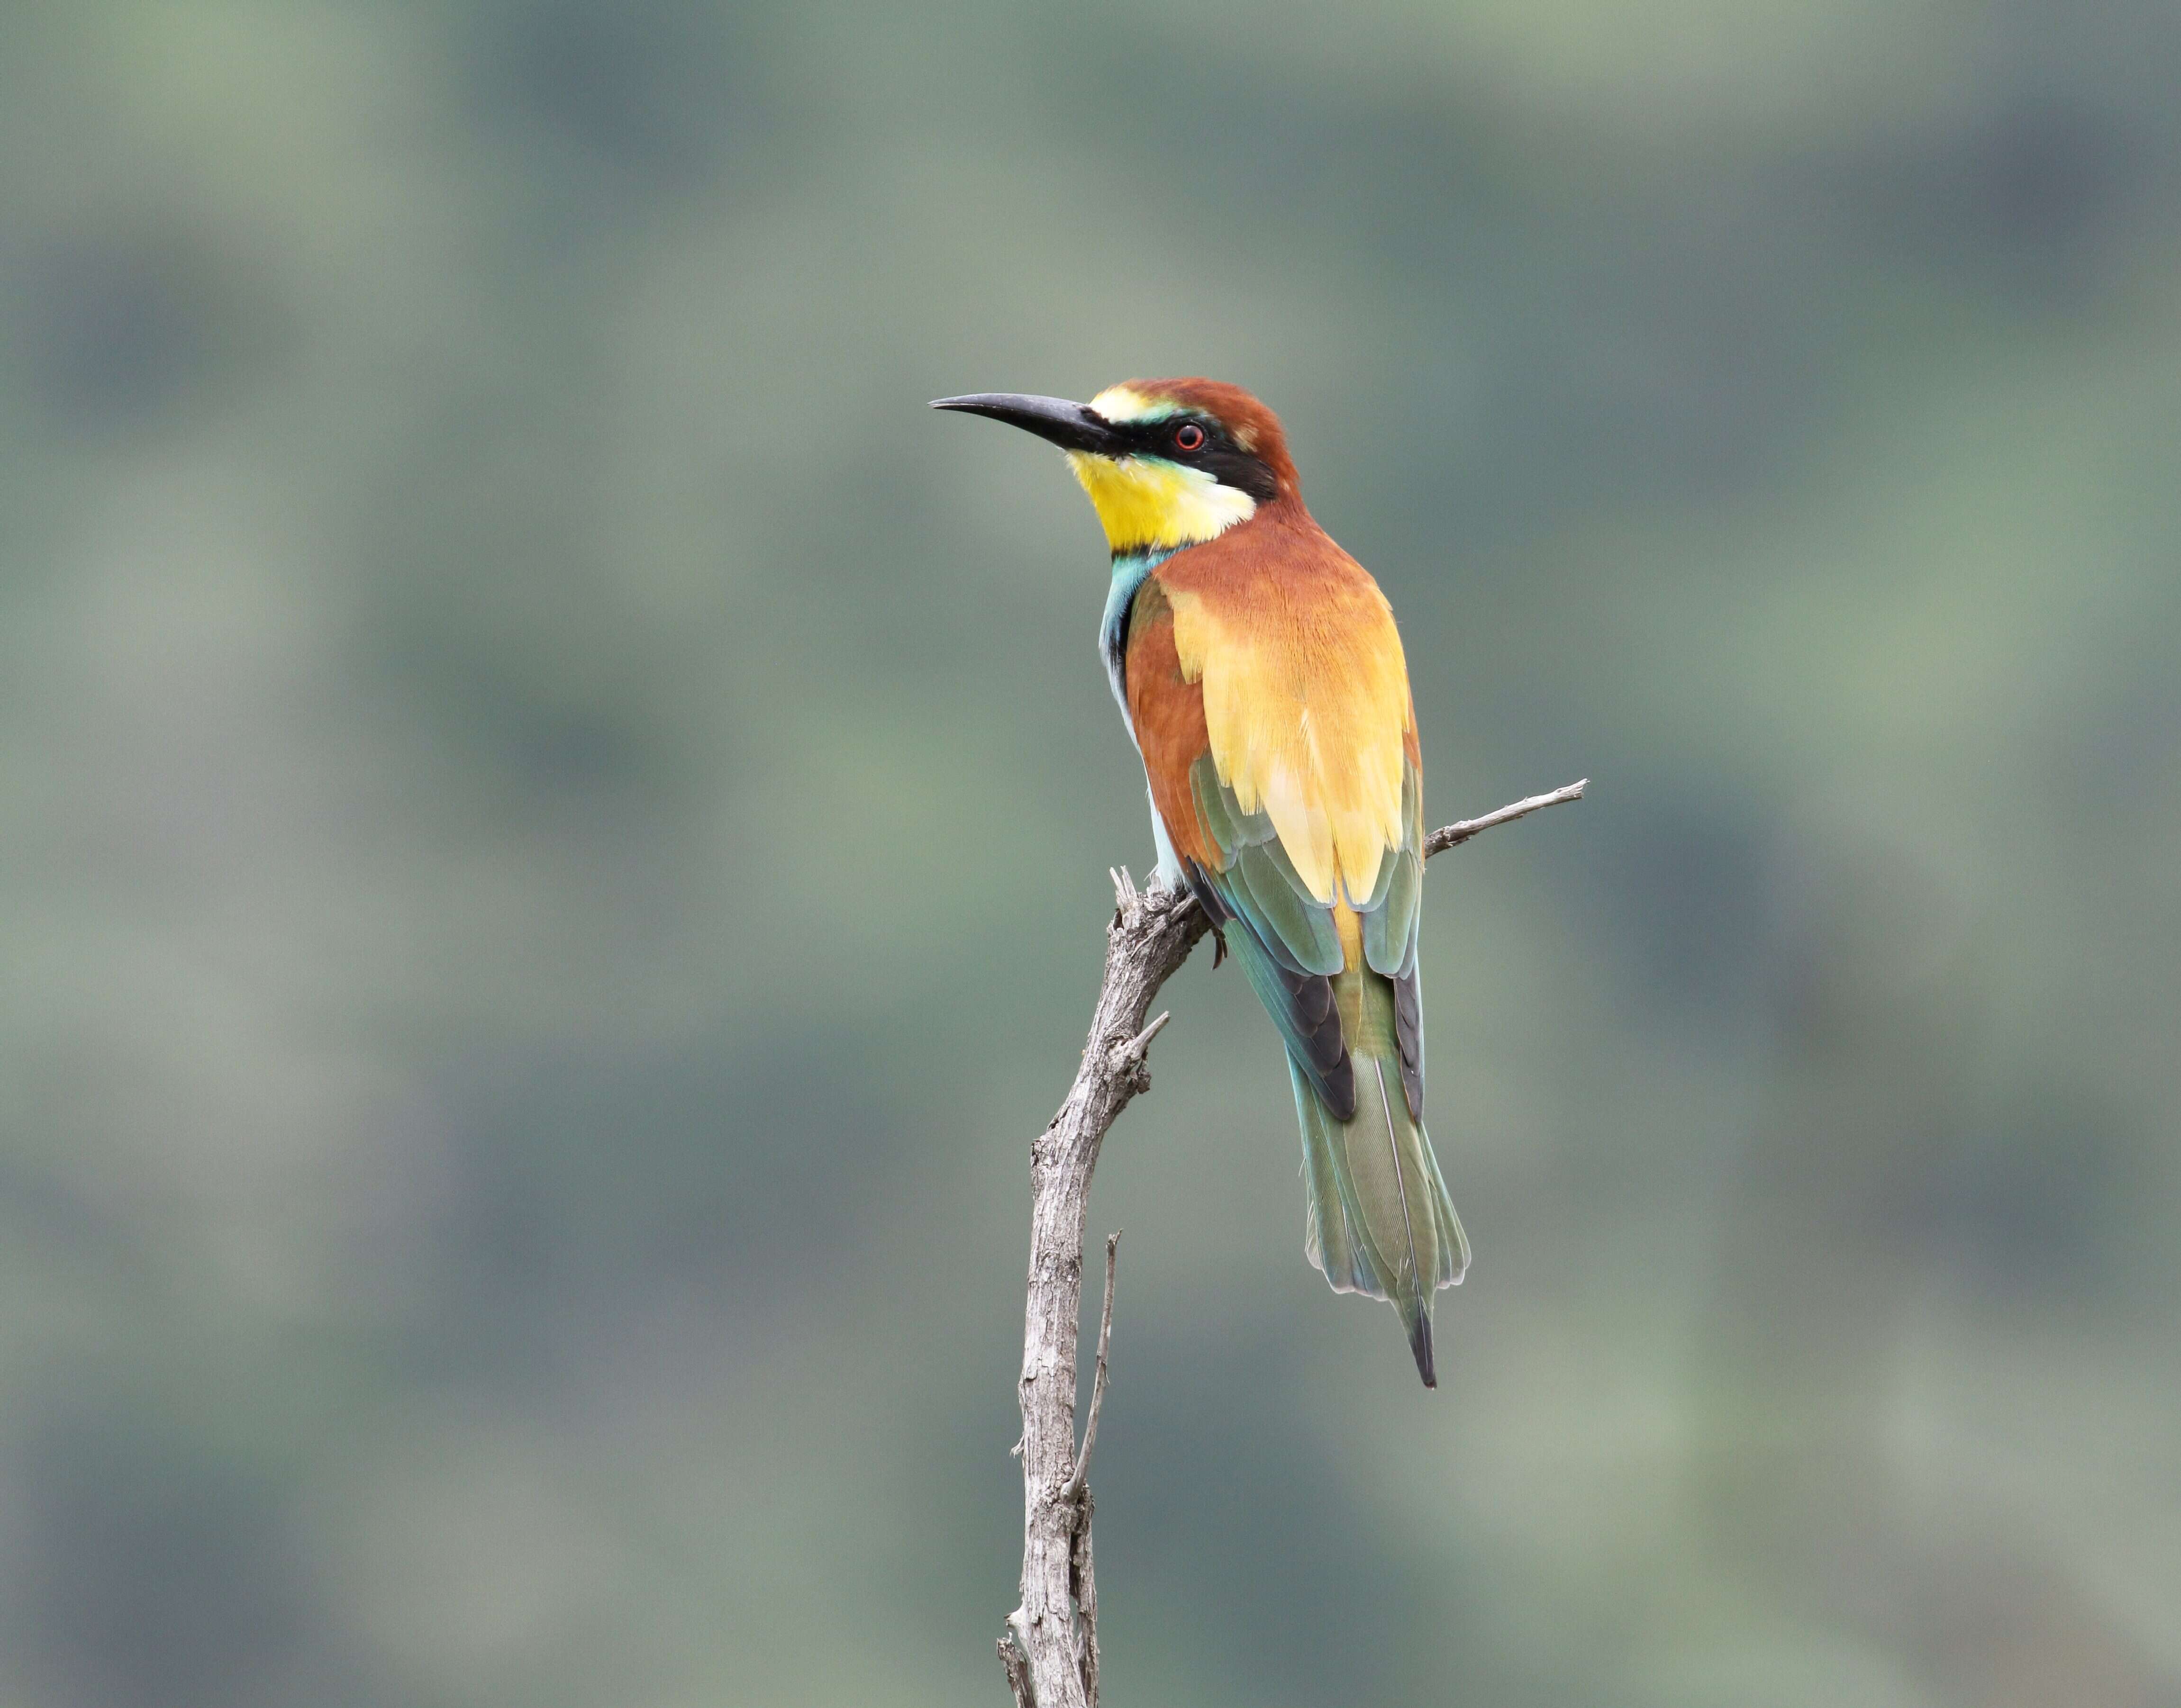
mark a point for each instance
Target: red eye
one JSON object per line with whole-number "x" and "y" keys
{"x": 1189, "y": 436}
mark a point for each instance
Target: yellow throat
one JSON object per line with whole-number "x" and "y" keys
{"x": 1146, "y": 504}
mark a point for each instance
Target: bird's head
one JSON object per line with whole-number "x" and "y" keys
{"x": 1167, "y": 462}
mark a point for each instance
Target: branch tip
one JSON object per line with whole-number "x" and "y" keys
{"x": 1454, "y": 835}
{"x": 1139, "y": 1046}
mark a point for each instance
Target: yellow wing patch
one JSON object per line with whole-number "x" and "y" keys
{"x": 1305, "y": 712}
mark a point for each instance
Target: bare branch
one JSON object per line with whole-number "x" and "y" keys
{"x": 1050, "y": 1648}
{"x": 1454, "y": 835}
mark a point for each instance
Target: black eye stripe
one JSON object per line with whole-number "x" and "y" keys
{"x": 1218, "y": 455}
{"x": 1157, "y": 438}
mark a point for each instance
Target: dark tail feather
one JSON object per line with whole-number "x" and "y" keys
{"x": 1420, "y": 1343}
{"x": 1381, "y": 1223}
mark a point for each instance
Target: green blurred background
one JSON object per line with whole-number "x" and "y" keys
{"x": 556, "y": 828}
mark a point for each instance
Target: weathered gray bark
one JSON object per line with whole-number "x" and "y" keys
{"x": 1050, "y": 1648}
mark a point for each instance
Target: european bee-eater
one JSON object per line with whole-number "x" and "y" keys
{"x": 1260, "y": 675}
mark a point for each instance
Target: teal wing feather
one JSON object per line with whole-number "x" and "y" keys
{"x": 1393, "y": 910}
{"x": 1392, "y": 925}
{"x": 1287, "y": 944}
{"x": 1258, "y": 884}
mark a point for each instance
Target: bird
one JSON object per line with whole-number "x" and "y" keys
{"x": 1262, "y": 678}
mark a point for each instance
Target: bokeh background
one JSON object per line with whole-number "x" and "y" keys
{"x": 555, "y": 825}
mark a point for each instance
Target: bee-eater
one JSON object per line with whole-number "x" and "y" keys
{"x": 1260, "y": 675}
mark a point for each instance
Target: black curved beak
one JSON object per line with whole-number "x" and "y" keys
{"x": 1073, "y": 426}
